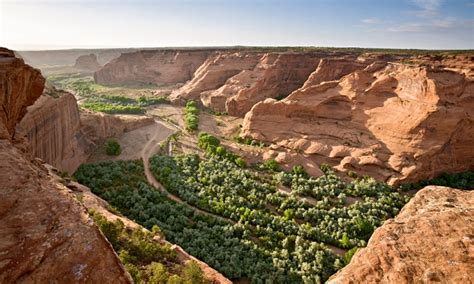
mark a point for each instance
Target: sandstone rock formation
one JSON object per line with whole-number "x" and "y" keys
{"x": 87, "y": 62}
{"x": 45, "y": 234}
{"x": 396, "y": 122}
{"x": 152, "y": 67}
{"x": 20, "y": 85}
{"x": 431, "y": 240}
{"x": 58, "y": 134}
{"x": 214, "y": 72}
{"x": 275, "y": 76}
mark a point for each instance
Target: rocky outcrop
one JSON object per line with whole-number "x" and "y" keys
{"x": 52, "y": 127}
{"x": 160, "y": 67}
{"x": 396, "y": 122}
{"x": 275, "y": 76}
{"x": 63, "y": 137}
{"x": 214, "y": 72}
{"x": 45, "y": 234}
{"x": 20, "y": 86}
{"x": 87, "y": 62}
{"x": 98, "y": 126}
{"x": 431, "y": 240}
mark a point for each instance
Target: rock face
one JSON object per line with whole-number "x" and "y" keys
{"x": 214, "y": 72}
{"x": 152, "y": 67}
{"x": 59, "y": 135}
{"x": 275, "y": 76}
{"x": 87, "y": 62}
{"x": 396, "y": 122}
{"x": 431, "y": 240}
{"x": 45, "y": 234}
{"x": 20, "y": 86}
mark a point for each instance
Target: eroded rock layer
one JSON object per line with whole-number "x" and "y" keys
{"x": 214, "y": 72}
{"x": 45, "y": 234}
{"x": 63, "y": 137}
{"x": 397, "y": 122}
{"x": 87, "y": 62}
{"x": 152, "y": 67}
{"x": 431, "y": 240}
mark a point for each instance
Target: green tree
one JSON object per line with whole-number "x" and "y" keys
{"x": 192, "y": 274}
{"x": 112, "y": 147}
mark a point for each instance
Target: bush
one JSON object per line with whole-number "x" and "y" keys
{"x": 240, "y": 162}
{"x": 112, "y": 147}
{"x": 192, "y": 274}
{"x": 191, "y": 116}
{"x": 349, "y": 254}
{"x": 157, "y": 272}
{"x": 272, "y": 165}
{"x": 299, "y": 170}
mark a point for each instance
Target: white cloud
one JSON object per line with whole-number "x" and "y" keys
{"x": 370, "y": 21}
{"x": 428, "y": 8}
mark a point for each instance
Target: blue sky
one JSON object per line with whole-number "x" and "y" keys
{"x": 53, "y": 24}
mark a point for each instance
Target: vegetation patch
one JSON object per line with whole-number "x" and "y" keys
{"x": 112, "y": 147}
{"x": 147, "y": 260}
{"x": 191, "y": 116}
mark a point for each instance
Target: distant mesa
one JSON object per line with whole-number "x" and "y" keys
{"x": 87, "y": 62}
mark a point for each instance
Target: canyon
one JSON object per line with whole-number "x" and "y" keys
{"x": 396, "y": 117}
{"x": 369, "y": 113}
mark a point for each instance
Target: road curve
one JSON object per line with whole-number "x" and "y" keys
{"x": 147, "y": 152}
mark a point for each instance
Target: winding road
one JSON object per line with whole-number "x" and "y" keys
{"x": 149, "y": 150}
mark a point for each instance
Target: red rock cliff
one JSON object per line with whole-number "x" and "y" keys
{"x": 45, "y": 234}
{"x": 395, "y": 122}
{"x": 430, "y": 241}
{"x": 152, "y": 67}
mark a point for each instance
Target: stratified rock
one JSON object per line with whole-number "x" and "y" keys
{"x": 275, "y": 76}
{"x": 152, "y": 67}
{"x": 46, "y": 236}
{"x": 20, "y": 86}
{"x": 60, "y": 135}
{"x": 431, "y": 240}
{"x": 214, "y": 72}
{"x": 87, "y": 62}
{"x": 393, "y": 121}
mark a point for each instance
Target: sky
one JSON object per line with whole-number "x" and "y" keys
{"x": 61, "y": 24}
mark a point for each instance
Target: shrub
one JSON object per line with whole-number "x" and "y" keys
{"x": 192, "y": 274}
{"x": 157, "y": 272}
{"x": 271, "y": 165}
{"x": 112, "y": 147}
{"x": 349, "y": 254}
{"x": 299, "y": 170}
{"x": 191, "y": 116}
{"x": 240, "y": 162}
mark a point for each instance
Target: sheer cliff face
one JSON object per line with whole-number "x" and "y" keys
{"x": 415, "y": 247}
{"x": 52, "y": 127}
{"x": 395, "y": 122}
{"x": 45, "y": 234}
{"x": 63, "y": 137}
{"x": 151, "y": 67}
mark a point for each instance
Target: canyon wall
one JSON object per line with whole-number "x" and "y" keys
{"x": 63, "y": 137}
{"x": 431, "y": 240}
{"x": 160, "y": 67}
{"x": 45, "y": 234}
{"x": 87, "y": 62}
{"x": 393, "y": 121}
{"x": 395, "y": 117}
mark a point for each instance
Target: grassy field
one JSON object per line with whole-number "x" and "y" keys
{"x": 113, "y": 100}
